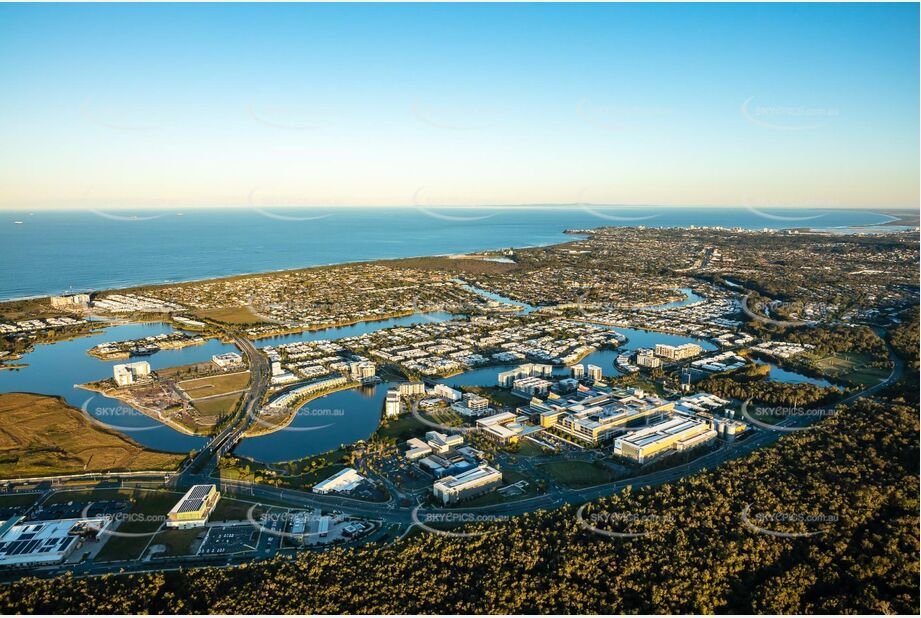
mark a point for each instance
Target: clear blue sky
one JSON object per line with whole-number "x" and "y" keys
{"x": 707, "y": 104}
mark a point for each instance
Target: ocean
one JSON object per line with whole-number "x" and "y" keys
{"x": 52, "y": 252}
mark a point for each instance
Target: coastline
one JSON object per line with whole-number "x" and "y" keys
{"x": 140, "y": 285}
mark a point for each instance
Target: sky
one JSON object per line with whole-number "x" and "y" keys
{"x": 142, "y": 106}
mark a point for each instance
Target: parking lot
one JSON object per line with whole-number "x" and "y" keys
{"x": 225, "y": 540}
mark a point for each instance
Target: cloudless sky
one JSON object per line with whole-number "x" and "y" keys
{"x": 226, "y": 105}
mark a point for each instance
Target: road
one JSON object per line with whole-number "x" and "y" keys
{"x": 392, "y": 512}
{"x": 206, "y": 460}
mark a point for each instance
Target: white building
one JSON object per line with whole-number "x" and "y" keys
{"x": 475, "y": 403}
{"x": 411, "y": 389}
{"x": 578, "y": 371}
{"x": 392, "y": 405}
{"x": 594, "y": 372}
{"x": 446, "y": 392}
{"x": 676, "y": 353}
{"x": 130, "y": 372}
{"x": 442, "y": 443}
{"x": 228, "y": 359}
{"x": 646, "y": 358}
{"x": 36, "y": 543}
{"x": 71, "y": 301}
{"x": 480, "y": 480}
{"x": 417, "y": 449}
{"x": 343, "y": 481}
{"x": 362, "y": 370}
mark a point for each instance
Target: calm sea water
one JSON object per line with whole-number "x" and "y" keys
{"x": 51, "y": 252}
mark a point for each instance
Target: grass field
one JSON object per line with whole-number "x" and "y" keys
{"x": 42, "y": 435}
{"x": 402, "y": 428}
{"x": 218, "y": 406}
{"x": 231, "y": 315}
{"x": 577, "y": 474}
{"x": 215, "y": 385}
{"x": 147, "y": 513}
{"x": 229, "y": 509}
{"x": 853, "y": 368}
{"x": 178, "y": 542}
{"x": 18, "y": 500}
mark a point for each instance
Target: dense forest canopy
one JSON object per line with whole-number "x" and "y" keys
{"x": 859, "y": 469}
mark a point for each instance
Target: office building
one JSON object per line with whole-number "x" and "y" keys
{"x": 674, "y": 434}
{"x": 129, "y": 373}
{"x": 193, "y": 509}
{"x": 442, "y": 443}
{"x": 501, "y": 428}
{"x": 467, "y": 485}
{"x": 417, "y": 449}
{"x": 531, "y": 386}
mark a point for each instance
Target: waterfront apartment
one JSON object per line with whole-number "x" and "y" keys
{"x": 392, "y": 405}
{"x": 678, "y": 352}
{"x": 129, "y": 373}
{"x": 193, "y": 509}
{"x": 467, "y": 485}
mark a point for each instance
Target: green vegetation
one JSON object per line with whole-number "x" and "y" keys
{"x": 178, "y": 542}
{"x": 577, "y": 474}
{"x": 750, "y": 382}
{"x": 402, "y": 428}
{"x": 860, "y": 466}
{"x": 43, "y": 436}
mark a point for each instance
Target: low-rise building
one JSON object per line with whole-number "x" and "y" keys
{"x": 39, "y": 543}
{"x": 129, "y": 373}
{"x": 343, "y": 481}
{"x": 442, "y": 443}
{"x": 194, "y": 507}
{"x": 417, "y": 449}
{"x": 467, "y": 485}
{"x": 228, "y": 359}
{"x": 676, "y": 433}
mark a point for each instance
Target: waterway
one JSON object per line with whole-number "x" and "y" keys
{"x": 321, "y": 425}
{"x": 359, "y": 328}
